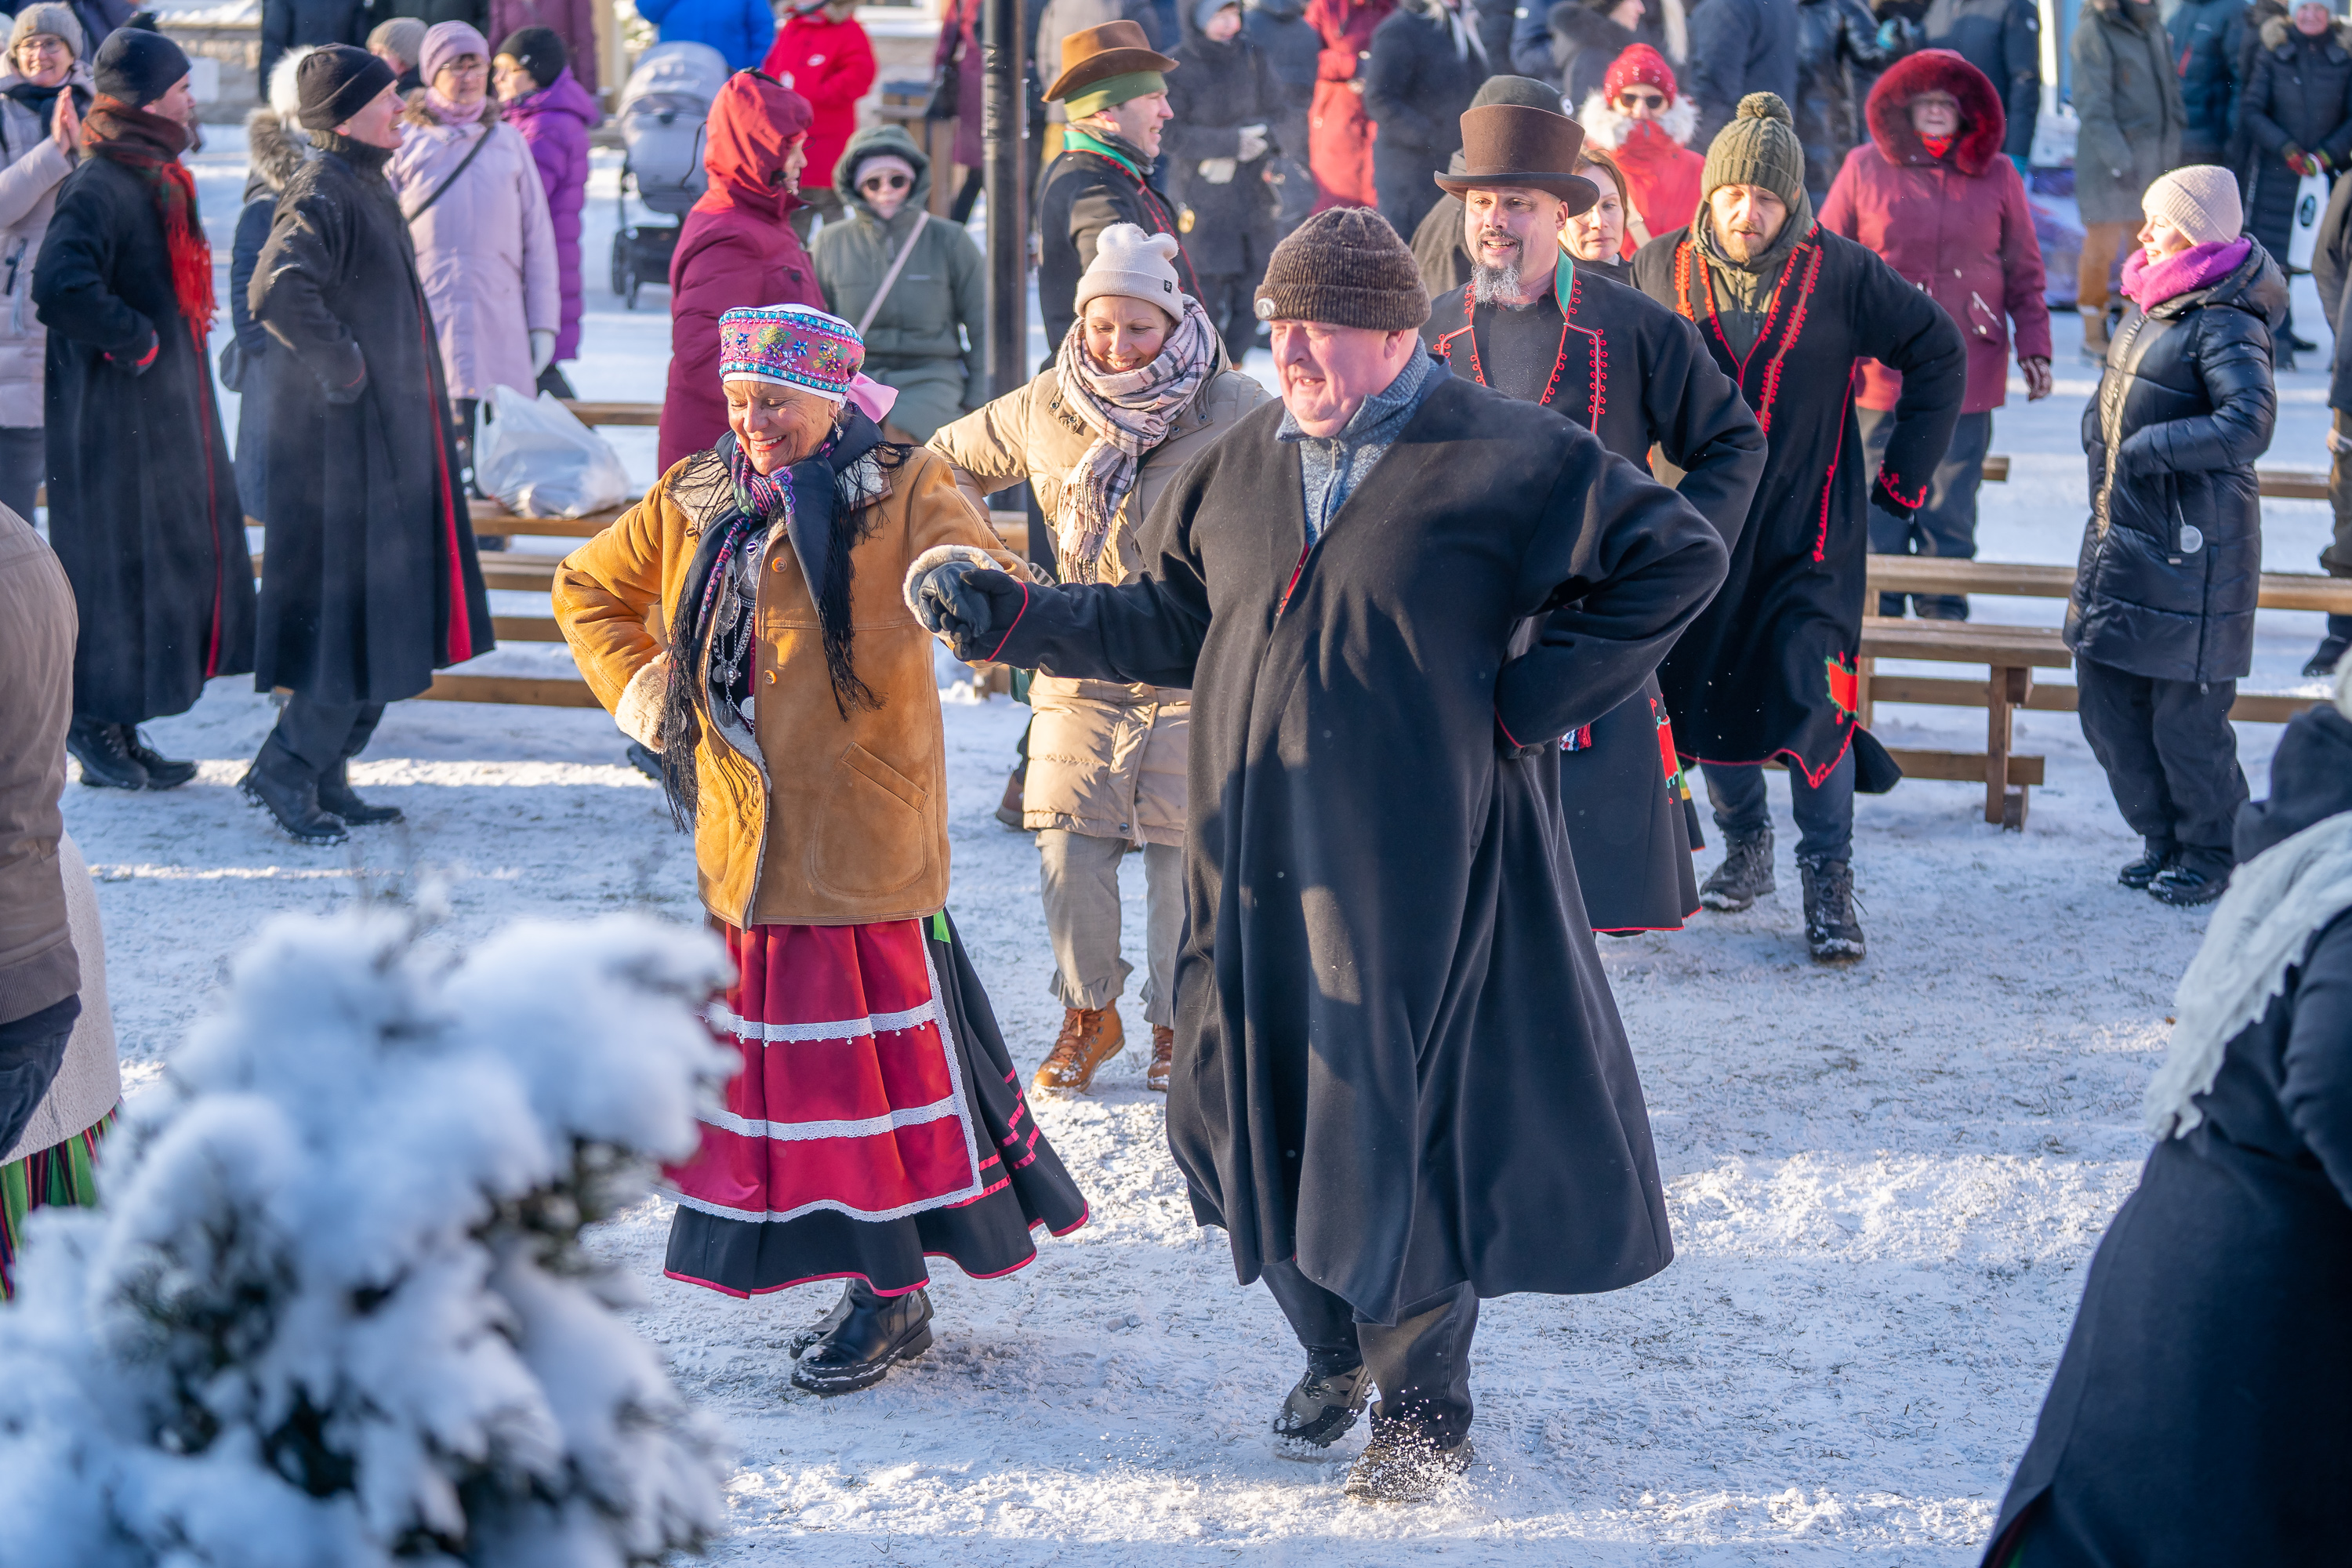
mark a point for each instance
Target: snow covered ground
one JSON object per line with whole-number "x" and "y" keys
{"x": 1884, "y": 1182}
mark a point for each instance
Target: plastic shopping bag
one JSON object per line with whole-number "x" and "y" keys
{"x": 538, "y": 460}
{"x": 2310, "y": 201}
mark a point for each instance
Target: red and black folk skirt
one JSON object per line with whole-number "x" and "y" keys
{"x": 1631, "y": 824}
{"x": 877, "y": 1122}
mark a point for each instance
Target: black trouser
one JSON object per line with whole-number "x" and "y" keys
{"x": 1421, "y": 1365}
{"x": 1944, "y": 525}
{"x": 2171, "y": 754}
{"x": 322, "y": 736}
{"x": 31, "y": 1050}
{"x": 1228, "y": 299}
{"x": 1824, "y": 816}
{"x": 24, "y": 462}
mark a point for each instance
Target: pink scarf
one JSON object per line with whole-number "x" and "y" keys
{"x": 2149, "y": 284}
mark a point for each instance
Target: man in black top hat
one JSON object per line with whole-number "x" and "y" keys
{"x": 1532, "y": 325}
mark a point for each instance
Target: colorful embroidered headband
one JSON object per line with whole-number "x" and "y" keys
{"x": 793, "y": 346}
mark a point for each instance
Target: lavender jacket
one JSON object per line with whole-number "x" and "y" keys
{"x": 555, "y": 121}
{"x": 484, "y": 249}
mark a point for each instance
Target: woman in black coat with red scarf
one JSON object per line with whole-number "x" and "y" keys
{"x": 143, "y": 496}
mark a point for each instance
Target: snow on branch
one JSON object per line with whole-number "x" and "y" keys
{"x": 335, "y": 1310}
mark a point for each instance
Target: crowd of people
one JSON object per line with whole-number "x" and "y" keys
{"x": 1681, "y": 324}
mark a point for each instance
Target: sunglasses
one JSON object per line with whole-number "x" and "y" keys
{"x": 1643, "y": 100}
{"x": 884, "y": 183}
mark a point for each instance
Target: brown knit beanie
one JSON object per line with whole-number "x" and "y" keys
{"x": 1344, "y": 268}
{"x": 1760, "y": 147}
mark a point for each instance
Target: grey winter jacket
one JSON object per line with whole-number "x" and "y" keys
{"x": 34, "y": 168}
{"x": 2128, "y": 98}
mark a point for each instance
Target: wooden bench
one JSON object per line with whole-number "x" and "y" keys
{"x": 2010, "y": 653}
{"x": 1929, "y": 575}
{"x": 2278, "y": 484}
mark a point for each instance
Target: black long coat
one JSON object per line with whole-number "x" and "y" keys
{"x": 1228, "y": 228}
{"x": 1415, "y": 89}
{"x": 143, "y": 494}
{"x": 1397, "y": 1057}
{"x": 2172, "y": 554}
{"x": 2198, "y": 1415}
{"x": 1768, "y": 669}
{"x": 1636, "y": 375}
{"x": 2300, "y": 96}
{"x": 371, "y": 584}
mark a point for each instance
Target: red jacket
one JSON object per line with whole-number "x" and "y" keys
{"x": 830, "y": 64}
{"x": 736, "y": 250}
{"x": 1339, "y": 133}
{"x": 1957, "y": 227}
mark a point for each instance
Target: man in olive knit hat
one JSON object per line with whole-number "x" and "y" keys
{"x": 1398, "y": 1065}
{"x": 1769, "y": 672}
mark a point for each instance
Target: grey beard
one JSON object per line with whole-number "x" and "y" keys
{"x": 1496, "y": 286}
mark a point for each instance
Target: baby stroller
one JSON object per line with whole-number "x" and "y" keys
{"x": 662, "y": 115}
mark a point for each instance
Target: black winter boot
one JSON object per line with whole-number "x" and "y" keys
{"x": 2152, "y": 861}
{"x": 106, "y": 763}
{"x": 1745, "y": 876}
{"x": 1320, "y": 1410}
{"x": 335, "y": 797}
{"x": 1831, "y": 929}
{"x": 1402, "y": 1464}
{"x": 646, "y": 759}
{"x": 282, "y": 784}
{"x": 2194, "y": 877}
{"x": 162, "y": 773}
{"x": 2330, "y": 652}
{"x": 800, "y": 1343}
{"x": 876, "y": 1333}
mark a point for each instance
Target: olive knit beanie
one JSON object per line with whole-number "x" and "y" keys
{"x": 1344, "y": 268}
{"x": 2201, "y": 200}
{"x": 1760, "y": 147}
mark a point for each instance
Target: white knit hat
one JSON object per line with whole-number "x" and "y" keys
{"x": 2200, "y": 200}
{"x": 1134, "y": 266}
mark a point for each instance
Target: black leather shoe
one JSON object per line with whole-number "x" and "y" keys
{"x": 280, "y": 785}
{"x": 646, "y": 759}
{"x": 105, "y": 762}
{"x": 2151, "y": 863}
{"x": 878, "y": 1332}
{"x": 336, "y": 798}
{"x": 1320, "y": 1411}
{"x": 2185, "y": 886}
{"x": 162, "y": 773}
{"x": 2330, "y": 653}
{"x": 800, "y": 1343}
{"x": 2301, "y": 346}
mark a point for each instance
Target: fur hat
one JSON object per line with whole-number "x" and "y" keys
{"x": 1134, "y": 265}
{"x": 2201, "y": 200}
{"x": 55, "y": 21}
{"x": 1760, "y": 147}
{"x": 1344, "y": 266}
{"x": 404, "y": 35}
{"x": 137, "y": 66}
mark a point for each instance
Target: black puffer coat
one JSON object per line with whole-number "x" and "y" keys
{"x": 2198, "y": 1414}
{"x": 1584, "y": 44}
{"x": 1415, "y": 88}
{"x": 2300, "y": 96}
{"x": 1737, "y": 47}
{"x": 2172, "y": 554}
{"x": 1838, "y": 60}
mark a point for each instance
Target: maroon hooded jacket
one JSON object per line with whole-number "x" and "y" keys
{"x": 736, "y": 250}
{"x": 1956, "y": 227}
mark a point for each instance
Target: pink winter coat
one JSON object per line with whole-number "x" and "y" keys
{"x": 1957, "y": 227}
{"x": 574, "y": 21}
{"x": 485, "y": 248}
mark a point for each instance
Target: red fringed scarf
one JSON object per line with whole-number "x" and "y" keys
{"x": 152, "y": 144}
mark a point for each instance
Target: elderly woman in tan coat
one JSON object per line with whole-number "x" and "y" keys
{"x": 877, "y": 1120}
{"x": 1138, "y": 389}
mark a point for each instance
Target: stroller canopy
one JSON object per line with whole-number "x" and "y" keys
{"x": 662, "y": 114}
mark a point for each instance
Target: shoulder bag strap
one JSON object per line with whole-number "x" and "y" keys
{"x": 463, "y": 165}
{"x": 898, "y": 265}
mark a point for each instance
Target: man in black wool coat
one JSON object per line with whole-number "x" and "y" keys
{"x": 1401, "y": 1084}
{"x": 373, "y": 583}
{"x": 1770, "y": 670}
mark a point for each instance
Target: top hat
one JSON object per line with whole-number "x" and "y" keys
{"x": 1513, "y": 144}
{"x": 1096, "y": 53}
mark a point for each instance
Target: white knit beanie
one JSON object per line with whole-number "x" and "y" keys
{"x": 1135, "y": 265}
{"x": 2200, "y": 200}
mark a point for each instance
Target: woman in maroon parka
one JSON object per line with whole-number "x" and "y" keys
{"x": 1932, "y": 196}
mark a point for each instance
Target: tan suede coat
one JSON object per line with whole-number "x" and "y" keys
{"x": 806, "y": 818}
{"x": 1105, "y": 760}
{"x": 37, "y": 626}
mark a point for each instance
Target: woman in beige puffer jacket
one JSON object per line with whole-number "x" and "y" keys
{"x": 1107, "y": 762}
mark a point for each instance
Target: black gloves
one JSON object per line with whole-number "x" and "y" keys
{"x": 970, "y": 607}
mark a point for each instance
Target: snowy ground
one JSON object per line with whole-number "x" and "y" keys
{"x": 1884, "y": 1182}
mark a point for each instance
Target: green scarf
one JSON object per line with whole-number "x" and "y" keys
{"x": 1126, "y": 157}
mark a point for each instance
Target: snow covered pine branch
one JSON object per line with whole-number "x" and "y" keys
{"x": 336, "y": 1309}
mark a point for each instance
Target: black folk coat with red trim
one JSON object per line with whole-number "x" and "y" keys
{"x": 1397, "y": 1057}
{"x": 1080, "y": 195}
{"x": 1769, "y": 670}
{"x": 1637, "y": 376}
{"x": 370, "y": 581}
{"x": 142, "y": 495}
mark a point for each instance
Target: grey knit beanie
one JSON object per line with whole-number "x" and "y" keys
{"x": 1760, "y": 147}
{"x": 404, "y": 35}
{"x": 1344, "y": 268}
{"x": 56, "y": 21}
{"x": 2200, "y": 200}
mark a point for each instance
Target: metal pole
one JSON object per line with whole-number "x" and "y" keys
{"x": 1008, "y": 225}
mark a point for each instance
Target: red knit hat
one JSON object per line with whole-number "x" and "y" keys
{"x": 1640, "y": 63}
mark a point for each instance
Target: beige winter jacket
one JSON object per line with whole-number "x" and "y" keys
{"x": 1105, "y": 760}
{"x": 37, "y": 623}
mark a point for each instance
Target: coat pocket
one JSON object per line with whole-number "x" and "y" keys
{"x": 875, "y": 835}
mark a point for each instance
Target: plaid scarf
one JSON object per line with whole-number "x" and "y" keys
{"x": 1128, "y": 412}
{"x": 150, "y": 145}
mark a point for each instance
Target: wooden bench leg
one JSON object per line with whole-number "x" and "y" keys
{"x": 1865, "y": 667}
{"x": 2010, "y": 686}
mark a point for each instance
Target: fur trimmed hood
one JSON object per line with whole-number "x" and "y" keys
{"x": 2278, "y": 37}
{"x": 275, "y": 148}
{"x": 1983, "y": 125}
{"x": 1605, "y": 126}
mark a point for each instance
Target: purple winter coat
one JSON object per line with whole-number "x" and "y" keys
{"x": 555, "y": 121}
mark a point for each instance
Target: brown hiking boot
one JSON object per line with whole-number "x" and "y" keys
{"x": 1090, "y": 1038}
{"x": 1163, "y": 1057}
{"x": 1008, "y": 808}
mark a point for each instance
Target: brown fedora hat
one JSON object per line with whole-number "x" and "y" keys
{"x": 1097, "y": 54}
{"x": 1513, "y": 144}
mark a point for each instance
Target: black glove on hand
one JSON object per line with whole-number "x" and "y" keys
{"x": 970, "y": 606}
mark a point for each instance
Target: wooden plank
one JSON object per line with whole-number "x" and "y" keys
{"x": 2278, "y": 484}
{"x": 1964, "y": 767}
{"x": 526, "y": 628}
{"x": 634, "y": 414}
{"x": 1962, "y": 642}
{"x": 1996, "y": 467}
{"x": 528, "y": 690}
{"x": 1939, "y": 691}
{"x": 1926, "y": 574}
{"x": 490, "y": 517}
{"x": 516, "y": 575}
